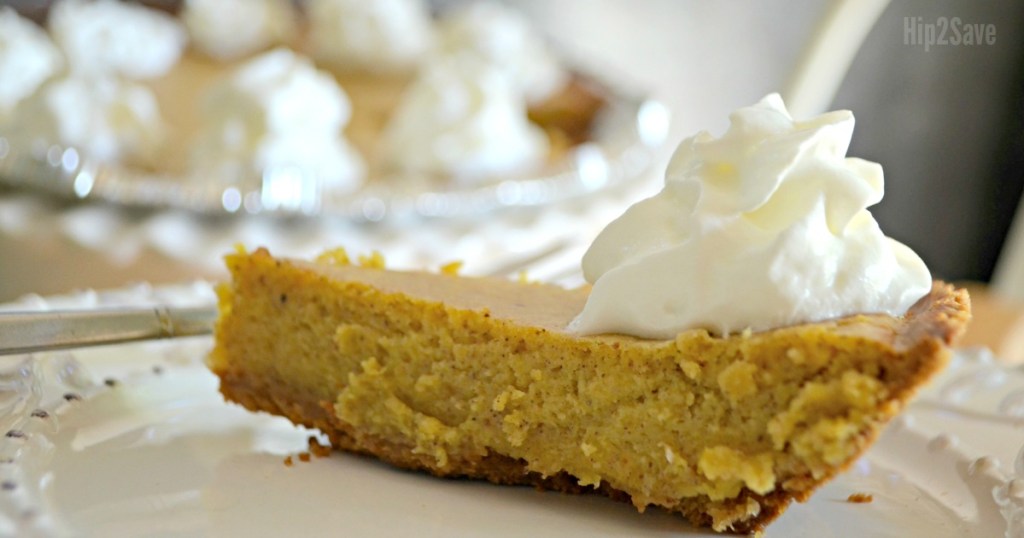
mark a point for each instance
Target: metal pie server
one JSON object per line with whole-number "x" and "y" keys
{"x": 26, "y": 332}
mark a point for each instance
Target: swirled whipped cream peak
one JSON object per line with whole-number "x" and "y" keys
{"x": 27, "y": 58}
{"x": 763, "y": 227}
{"x": 278, "y": 113}
{"x": 504, "y": 38}
{"x": 462, "y": 119}
{"x": 232, "y": 29}
{"x": 114, "y": 38}
{"x": 383, "y": 36}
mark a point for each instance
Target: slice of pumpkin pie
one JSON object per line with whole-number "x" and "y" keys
{"x": 647, "y": 386}
{"x": 480, "y": 378}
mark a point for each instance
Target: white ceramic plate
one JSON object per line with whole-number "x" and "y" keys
{"x": 157, "y": 452}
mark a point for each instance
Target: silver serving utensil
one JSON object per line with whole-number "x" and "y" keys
{"x": 25, "y": 332}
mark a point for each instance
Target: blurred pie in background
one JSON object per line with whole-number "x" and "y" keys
{"x": 347, "y": 92}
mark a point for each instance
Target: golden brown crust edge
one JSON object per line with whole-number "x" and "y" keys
{"x": 933, "y": 324}
{"x": 941, "y": 316}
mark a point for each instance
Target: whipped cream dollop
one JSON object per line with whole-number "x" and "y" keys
{"x": 107, "y": 118}
{"x": 465, "y": 120}
{"x": 27, "y": 58}
{"x": 278, "y": 111}
{"x": 505, "y": 39}
{"x": 113, "y": 37}
{"x": 231, "y": 29}
{"x": 764, "y": 227}
{"x": 381, "y": 35}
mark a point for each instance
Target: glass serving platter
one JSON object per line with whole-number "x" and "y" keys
{"x": 623, "y": 139}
